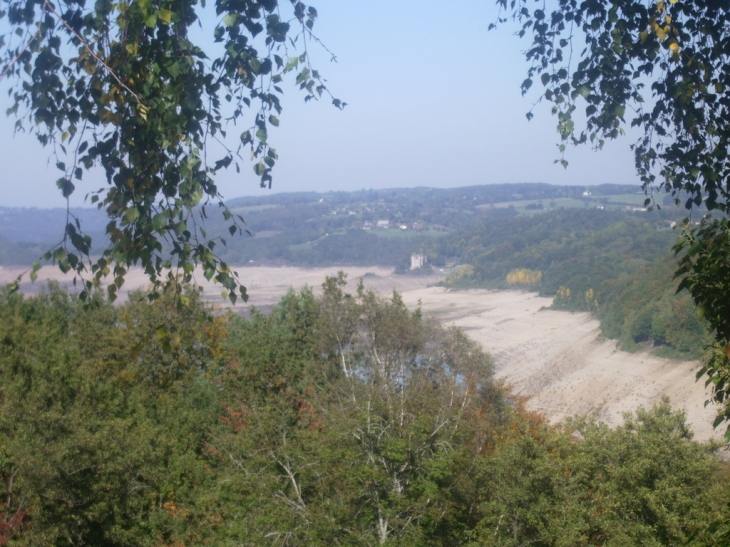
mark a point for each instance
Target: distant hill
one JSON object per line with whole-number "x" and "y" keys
{"x": 19, "y": 254}
{"x": 19, "y": 224}
{"x": 367, "y": 227}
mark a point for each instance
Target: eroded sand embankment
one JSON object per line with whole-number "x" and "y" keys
{"x": 561, "y": 362}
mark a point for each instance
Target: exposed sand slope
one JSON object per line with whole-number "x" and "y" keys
{"x": 557, "y": 358}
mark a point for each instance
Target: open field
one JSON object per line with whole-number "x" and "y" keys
{"x": 617, "y": 201}
{"x": 555, "y": 358}
{"x": 636, "y": 199}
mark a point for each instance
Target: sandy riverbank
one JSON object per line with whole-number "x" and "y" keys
{"x": 561, "y": 362}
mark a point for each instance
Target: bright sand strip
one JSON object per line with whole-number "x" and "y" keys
{"x": 265, "y": 285}
{"x": 559, "y": 360}
{"x": 556, "y": 358}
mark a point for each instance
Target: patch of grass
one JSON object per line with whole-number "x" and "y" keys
{"x": 635, "y": 200}
{"x": 398, "y": 233}
{"x": 610, "y": 202}
{"x": 307, "y": 245}
{"x": 267, "y": 233}
{"x": 668, "y": 352}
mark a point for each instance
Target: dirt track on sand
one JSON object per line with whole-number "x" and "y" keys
{"x": 556, "y": 358}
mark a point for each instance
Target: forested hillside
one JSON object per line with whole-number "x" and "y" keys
{"x": 344, "y": 419}
{"x": 369, "y": 227}
{"x": 19, "y": 253}
{"x": 614, "y": 264}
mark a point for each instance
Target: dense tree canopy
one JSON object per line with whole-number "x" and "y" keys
{"x": 661, "y": 67}
{"x": 340, "y": 419}
{"x": 130, "y": 87}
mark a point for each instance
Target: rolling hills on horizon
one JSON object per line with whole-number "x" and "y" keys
{"x": 309, "y": 228}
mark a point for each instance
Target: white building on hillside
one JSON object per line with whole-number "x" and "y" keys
{"x": 417, "y": 261}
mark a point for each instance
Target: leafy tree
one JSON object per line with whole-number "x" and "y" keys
{"x": 524, "y": 494}
{"x": 646, "y": 482}
{"x": 355, "y": 439}
{"x": 101, "y": 442}
{"x": 415, "y": 394}
{"x": 679, "y": 48}
{"x": 130, "y": 88}
{"x": 643, "y": 483}
{"x": 661, "y": 67}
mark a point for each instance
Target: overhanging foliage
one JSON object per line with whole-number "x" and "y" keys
{"x": 128, "y": 86}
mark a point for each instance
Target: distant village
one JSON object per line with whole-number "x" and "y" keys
{"x": 387, "y": 225}
{"x": 384, "y": 224}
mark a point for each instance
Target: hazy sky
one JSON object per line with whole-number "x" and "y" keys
{"x": 433, "y": 100}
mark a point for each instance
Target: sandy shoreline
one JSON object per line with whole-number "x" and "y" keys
{"x": 558, "y": 359}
